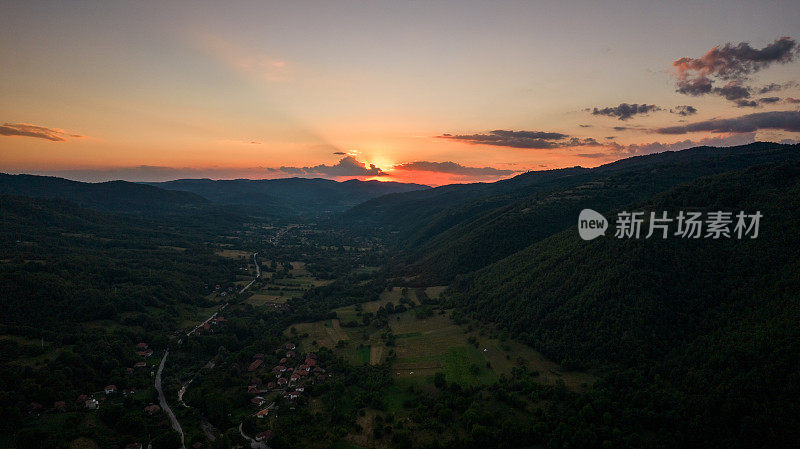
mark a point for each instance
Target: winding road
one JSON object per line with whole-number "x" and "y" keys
{"x": 163, "y": 400}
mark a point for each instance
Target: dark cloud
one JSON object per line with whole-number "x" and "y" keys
{"x": 453, "y": 168}
{"x": 733, "y": 63}
{"x": 780, "y": 120}
{"x": 659, "y": 147}
{"x": 521, "y": 139}
{"x": 621, "y": 128}
{"x": 39, "y": 132}
{"x": 592, "y": 155}
{"x": 684, "y": 110}
{"x": 626, "y": 111}
{"x": 769, "y": 100}
{"x": 746, "y": 104}
{"x": 585, "y": 126}
{"x": 340, "y": 153}
{"x": 347, "y": 166}
{"x": 611, "y": 137}
{"x": 733, "y": 91}
{"x": 791, "y": 100}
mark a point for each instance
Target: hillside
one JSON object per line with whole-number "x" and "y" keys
{"x": 290, "y": 195}
{"x": 112, "y": 196}
{"x": 701, "y": 333}
{"x": 469, "y": 235}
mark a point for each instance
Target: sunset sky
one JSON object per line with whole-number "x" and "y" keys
{"x": 417, "y": 91}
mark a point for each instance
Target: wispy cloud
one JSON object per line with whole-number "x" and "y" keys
{"x": 254, "y": 63}
{"x": 39, "y": 132}
{"x": 454, "y": 169}
{"x": 521, "y": 139}
{"x": 777, "y": 120}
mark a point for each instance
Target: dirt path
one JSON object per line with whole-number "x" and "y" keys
{"x": 375, "y": 354}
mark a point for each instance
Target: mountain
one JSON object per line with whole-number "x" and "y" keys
{"x": 690, "y": 333}
{"x": 289, "y": 196}
{"x": 485, "y": 223}
{"x": 112, "y": 196}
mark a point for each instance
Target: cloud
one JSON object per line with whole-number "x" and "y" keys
{"x": 521, "y": 139}
{"x": 618, "y": 150}
{"x": 769, "y": 100}
{"x": 592, "y": 155}
{"x": 791, "y": 100}
{"x": 684, "y": 110}
{"x": 733, "y": 91}
{"x": 626, "y": 111}
{"x": 347, "y": 166}
{"x": 340, "y": 153}
{"x": 780, "y": 120}
{"x": 585, "y": 126}
{"x": 453, "y": 168}
{"x": 746, "y": 104}
{"x": 39, "y": 132}
{"x": 774, "y": 87}
{"x": 732, "y": 63}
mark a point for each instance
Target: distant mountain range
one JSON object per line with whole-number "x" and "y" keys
{"x": 277, "y": 197}
{"x": 288, "y": 196}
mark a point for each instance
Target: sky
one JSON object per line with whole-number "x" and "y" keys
{"x": 432, "y": 92}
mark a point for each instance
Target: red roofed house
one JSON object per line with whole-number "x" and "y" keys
{"x": 254, "y": 366}
{"x": 152, "y": 409}
{"x": 282, "y": 381}
{"x": 258, "y": 400}
{"x": 141, "y": 346}
{"x": 290, "y": 346}
{"x": 264, "y": 436}
{"x": 262, "y": 413}
{"x": 110, "y": 389}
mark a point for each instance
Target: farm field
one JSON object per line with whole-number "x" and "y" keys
{"x": 425, "y": 346}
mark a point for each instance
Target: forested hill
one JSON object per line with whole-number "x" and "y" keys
{"x": 289, "y": 196}
{"x": 703, "y": 333}
{"x": 112, "y": 196}
{"x": 64, "y": 264}
{"x": 473, "y": 234}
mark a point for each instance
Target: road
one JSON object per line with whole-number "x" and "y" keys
{"x": 253, "y": 443}
{"x": 163, "y": 400}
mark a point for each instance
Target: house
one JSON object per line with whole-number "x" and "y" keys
{"x": 92, "y": 404}
{"x": 221, "y": 319}
{"x": 289, "y": 354}
{"x": 264, "y": 436}
{"x": 141, "y": 346}
{"x": 283, "y": 360}
{"x": 252, "y": 388}
{"x": 81, "y": 399}
{"x": 282, "y": 382}
{"x": 290, "y": 346}
{"x": 255, "y": 365}
{"x": 145, "y": 353}
{"x": 300, "y": 389}
{"x": 262, "y": 413}
{"x": 259, "y": 356}
{"x": 139, "y": 365}
{"x": 279, "y": 369}
{"x": 258, "y": 401}
{"x": 109, "y": 389}
{"x": 311, "y": 362}
{"x": 152, "y": 409}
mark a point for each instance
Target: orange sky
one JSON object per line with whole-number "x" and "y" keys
{"x": 153, "y": 92}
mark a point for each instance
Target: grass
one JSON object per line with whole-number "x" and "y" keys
{"x": 232, "y": 253}
{"x": 465, "y": 365}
